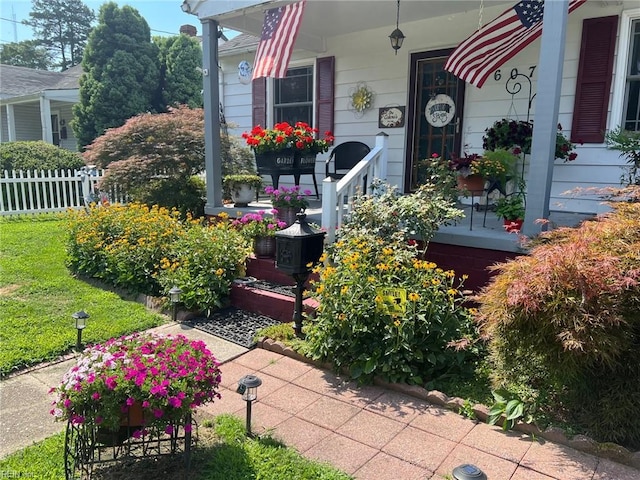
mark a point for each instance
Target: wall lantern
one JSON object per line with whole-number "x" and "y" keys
{"x": 397, "y": 37}
{"x": 468, "y": 472}
{"x": 248, "y": 388}
{"x": 175, "y": 295}
{"x": 80, "y": 319}
{"x": 298, "y": 249}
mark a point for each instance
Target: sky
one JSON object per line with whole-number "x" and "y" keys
{"x": 163, "y": 16}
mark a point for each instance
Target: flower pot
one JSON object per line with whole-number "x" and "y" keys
{"x": 242, "y": 195}
{"x": 471, "y": 183}
{"x": 513, "y": 225}
{"x": 264, "y": 247}
{"x": 288, "y": 215}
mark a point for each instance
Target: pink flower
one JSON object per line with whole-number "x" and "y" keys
{"x": 131, "y": 401}
{"x": 110, "y": 383}
{"x": 145, "y": 404}
{"x": 158, "y": 413}
{"x": 95, "y": 396}
{"x": 169, "y": 429}
{"x": 175, "y": 402}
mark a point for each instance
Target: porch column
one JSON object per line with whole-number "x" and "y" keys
{"x": 211, "y": 97}
{"x": 11, "y": 123}
{"x": 45, "y": 119}
{"x": 545, "y": 126}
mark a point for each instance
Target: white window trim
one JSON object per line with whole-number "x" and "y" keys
{"x": 622, "y": 58}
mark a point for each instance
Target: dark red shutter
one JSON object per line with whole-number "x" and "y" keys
{"x": 594, "y": 79}
{"x": 259, "y": 102}
{"x": 325, "y": 68}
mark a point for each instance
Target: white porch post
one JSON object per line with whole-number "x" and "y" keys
{"x": 11, "y": 123}
{"x": 211, "y": 97}
{"x": 45, "y": 119}
{"x": 546, "y": 115}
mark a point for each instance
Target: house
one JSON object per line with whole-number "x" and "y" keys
{"x": 584, "y": 67}
{"x": 37, "y": 104}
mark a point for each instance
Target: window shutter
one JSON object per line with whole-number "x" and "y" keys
{"x": 325, "y": 68}
{"x": 259, "y": 102}
{"x": 594, "y": 79}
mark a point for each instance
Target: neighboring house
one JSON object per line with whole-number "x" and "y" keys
{"x": 344, "y": 45}
{"x": 37, "y": 105}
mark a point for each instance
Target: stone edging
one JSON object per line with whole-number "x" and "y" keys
{"x": 582, "y": 443}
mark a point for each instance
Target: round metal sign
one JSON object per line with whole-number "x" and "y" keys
{"x": 440, "y": 110}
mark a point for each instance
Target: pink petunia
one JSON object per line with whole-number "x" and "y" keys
{"x": 169, "y": 429}
{"x": 95, "y": 396}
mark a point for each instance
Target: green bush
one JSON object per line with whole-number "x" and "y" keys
{"x": 37, "y": 156}
{"x": 384, "y": 312}
{"x": 203, "y": 263}
{"x": 122, "y": 245}
{"x": 564, "y": 328}
{"x": 188, "y": 199}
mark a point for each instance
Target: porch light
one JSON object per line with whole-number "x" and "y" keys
{"x": 468, "y": 472}
{"x": 248, "y": 388}
{"x": 80, "y": 319}
{"x": 175, "y": 295}
{"x": 397, "y": 37}
{"x": 186, "y": 8}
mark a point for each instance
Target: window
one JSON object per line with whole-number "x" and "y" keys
{"x": 631, "y": 114}
{"x": 293, "y": 96}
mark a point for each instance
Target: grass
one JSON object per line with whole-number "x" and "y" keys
{"x": 223, "y": 453}
{"x": 38, "y": 295}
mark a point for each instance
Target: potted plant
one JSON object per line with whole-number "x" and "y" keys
{"x": 241, "y": 187}
{"x": 287, "y": 202}
{"x": 497, "y": 166}
{"x": 511, "y": 209}
{"x": 466, "y": 178}
{"x": 163, "y": 378}
{"x": 260, "y": 229}
{"x": 282, "y": 136}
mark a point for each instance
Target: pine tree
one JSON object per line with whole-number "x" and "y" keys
{"x": 181, "y": 59}
{"x": 61, "y": 26}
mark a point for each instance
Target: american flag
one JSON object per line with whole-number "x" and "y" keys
{"x": 495, "y": 43}
{"x": 279, "y": 33}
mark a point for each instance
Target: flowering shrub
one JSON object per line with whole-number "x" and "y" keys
{"x": 299, "y": 137}
{"x": 203, "y": 262}
{"x": 498, "y": 164}
{"x": 168, "y": 375}
{"x": 254, "y": 225}
{"x": 149, "y": 250}
{"x": 517, "y": 135}
{"x": 283, "y": 197}
{"x": 122, "y": 244}
{"x": 385, "y": 312}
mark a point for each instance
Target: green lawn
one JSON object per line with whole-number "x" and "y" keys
{"x": 223, "y": 453}
{"x": 38, "y": 295}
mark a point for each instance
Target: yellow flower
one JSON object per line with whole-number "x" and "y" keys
{"x": 452, "y": 291}
{"x": 396, "y": 322}
{"x": 387, "y": 251}
{"x": 344, "y": 290}
{"x": 342, "y": 317}
{"x": 320, "y": 289}
{"x": 223, "y": 215}
{"x": 220, "y": 272}
{"x": 414, "y": 297}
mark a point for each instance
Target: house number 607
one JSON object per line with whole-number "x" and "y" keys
{"x": 497, "y": 75}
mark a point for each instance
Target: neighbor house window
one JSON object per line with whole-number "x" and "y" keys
{"x": 631, "y": 114}
{"x": 293, "y": 96}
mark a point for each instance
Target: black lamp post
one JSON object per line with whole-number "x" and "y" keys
{"x": 248, "y": 388}
{"x": 80, "y": 319}
{"x": 298, "y": 248}
{"x": 468, "y": 472}
{"x": 174, "y": 295}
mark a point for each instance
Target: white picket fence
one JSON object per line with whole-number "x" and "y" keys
{"x": 40, "y": 191}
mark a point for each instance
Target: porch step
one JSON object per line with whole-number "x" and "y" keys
{"x": 272, "y": 295}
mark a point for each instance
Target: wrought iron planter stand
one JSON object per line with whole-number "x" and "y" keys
{"x": 86, "y": 449}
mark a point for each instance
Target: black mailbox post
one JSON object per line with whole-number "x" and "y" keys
{"x": 298, "y": 249}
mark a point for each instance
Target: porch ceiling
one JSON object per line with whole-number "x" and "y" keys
{"x": 330, "y": 18}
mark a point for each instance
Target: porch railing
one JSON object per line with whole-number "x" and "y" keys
{"x": 41, "y": 191}
{"x": 337, "y": 197}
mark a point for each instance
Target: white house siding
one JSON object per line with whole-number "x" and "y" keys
{"x": 367, "y": 57}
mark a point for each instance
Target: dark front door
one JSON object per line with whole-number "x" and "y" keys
{"x": 434, "y": 115}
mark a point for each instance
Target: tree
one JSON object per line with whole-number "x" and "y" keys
{"x": 172, "y": 143}
{"x": 62, "y": 26}
{"x": 181, "y": 67}
{"x": 121, "y": 73}
{"x": 27, "y": 53}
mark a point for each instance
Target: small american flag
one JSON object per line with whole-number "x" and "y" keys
{"x": 279, "y": 33}
{"x": 499, "y": 41}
